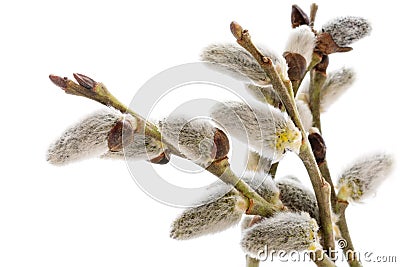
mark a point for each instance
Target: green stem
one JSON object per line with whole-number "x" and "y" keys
{"x": 323, "y": 167}
{"x": 322, "y": 192}
{"x": 317, "y": 79}
{"x": 258, "y": 205}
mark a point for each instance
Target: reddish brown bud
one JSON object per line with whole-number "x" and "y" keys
{"x": 236, "y": 30}
{"x": 297, "y": 65}
{"x": 59, "y": 81}
{"x": 162, "y": 159}
{"x": 323, "y": 64}
{"x": 121, "y": 134}
{"x": 318, "y": 146}
{"x": 299, "y": 17}
{"x": 85, "y": 81}
{"x": 326, "y": 45}
{"x": 221, "y": 145}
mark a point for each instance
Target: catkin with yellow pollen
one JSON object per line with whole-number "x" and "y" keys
{"x": 265, "y": 129}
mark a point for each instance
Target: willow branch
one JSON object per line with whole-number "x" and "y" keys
{"x": 317, "y": 79}
{"x": 284, "y": 89}
{"x": 89, "y": 88}
{"x": 313, "y": 14}
{"x": 93, "y": 90}
{"x": 258, "y": 205}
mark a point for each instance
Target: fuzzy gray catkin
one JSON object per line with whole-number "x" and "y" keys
{"x": 265, "y": 94}
{"x": 363, "y": 177}
{"x": 235, "y": 59}
{"x": 347, "y": 30}
{"x": 193, "y": 138}
{"x": 88, "y": 138}
{"x": 222, "y": 207}
{"x": 268, "y": 131}
{"x": 286, "y": 231}
{"x": 301, "y": 41}
{"x": 212, "y": 217}
{"x": 296, "y": 197}
{"x": 336, "y": 84}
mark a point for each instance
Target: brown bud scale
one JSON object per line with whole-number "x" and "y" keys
{"x": 299, "y": 17}
{"x": 297, "y": 65}
{"x": 162, "y": 159}
{"x": 236, "y": 30}
{"x": 318, "y": 146}
{"x": 326, "y": 45}
{"x": 85, "y": 81}
{"x": 59, "y": 81}
{"x": 121, "y": 134}
{"x": 221, "y": 145}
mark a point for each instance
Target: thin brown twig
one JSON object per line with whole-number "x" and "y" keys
{"x": 284, "y": 89}
{"x": 313, "y": 14}
{"x": 317, "y": 79}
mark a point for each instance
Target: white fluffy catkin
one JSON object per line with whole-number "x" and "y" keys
{"x": 142, "y": 148}
{"x": 335, "y": 86}
{"x": 88, "y": 138}
{"x": 347, "y": 30}
{"x": 297, "y": 197}
{"x": 233, "y": 58}
{"x": 268, "y": 131}
{"x": 286, "y": 231}
{"x": 193, "y": 138}
{"x": 221, "y": 208}
{"x": 301, "y": 41}
{"x": 213, "y": 217}
{"x": 363, "y": 177}
{"x": 265, "y": 94}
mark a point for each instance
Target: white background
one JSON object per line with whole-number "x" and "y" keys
{"x": 92, "y": 213}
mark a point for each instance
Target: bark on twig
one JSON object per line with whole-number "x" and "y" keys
{"x": 284, "y": 89}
